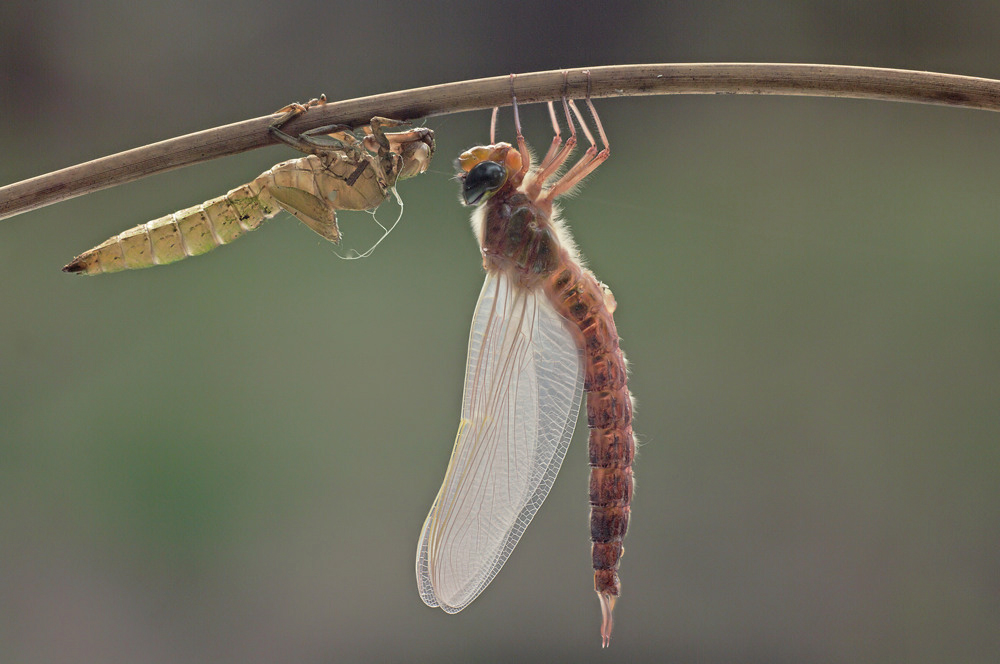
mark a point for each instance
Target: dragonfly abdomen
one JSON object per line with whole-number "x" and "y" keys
{"x": 588, "y": 306}
{"x": 190, "y": 232}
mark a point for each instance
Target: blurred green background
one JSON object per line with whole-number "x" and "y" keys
{"x": 229, "y": 459}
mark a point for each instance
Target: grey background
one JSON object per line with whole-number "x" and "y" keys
{"x": 229, "y": 459}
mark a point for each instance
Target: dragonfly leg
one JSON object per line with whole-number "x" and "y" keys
{"x": 590, "y": 160}
{"x": 493, "y": 125}
{"x": 555, "y": 158}
{"x": 378, "y": 122}
{"x": 399, "y": 137}
{"x": 557, "y": 139}
{"x": 296, "y": 109}
{"x": 318, "y": 141}
{"x": 522, "y": 145}
{"x": 378, "y": 126}
{"x": 289, "y": 113}
{"x": 323, "y": 141}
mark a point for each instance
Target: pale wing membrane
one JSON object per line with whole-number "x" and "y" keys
{"x": 523, "y": 383}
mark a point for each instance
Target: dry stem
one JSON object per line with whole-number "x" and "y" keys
{"x": 611, "y": 81}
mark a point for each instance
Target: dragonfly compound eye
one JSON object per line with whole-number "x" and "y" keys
{"x": 483, "y": 180}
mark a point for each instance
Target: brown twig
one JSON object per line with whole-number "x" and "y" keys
{"x": 611, "y": 81}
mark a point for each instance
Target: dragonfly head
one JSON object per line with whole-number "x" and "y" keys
{"x": 486, "y": 169}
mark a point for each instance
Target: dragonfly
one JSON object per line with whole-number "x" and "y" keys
{"x": 543, "y": 332}
{"x": 345, "y": 169}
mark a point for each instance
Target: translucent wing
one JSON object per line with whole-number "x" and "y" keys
{"x": 523, "y": 382}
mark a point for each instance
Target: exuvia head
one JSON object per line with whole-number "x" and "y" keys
{"x": 416, "y": 151}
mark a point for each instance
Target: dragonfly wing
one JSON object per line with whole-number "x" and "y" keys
{"x": 523, "y": 383}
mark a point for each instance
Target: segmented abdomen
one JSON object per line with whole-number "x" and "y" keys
{"x": 199, "y": 229}
{"x": 588, "y": 306}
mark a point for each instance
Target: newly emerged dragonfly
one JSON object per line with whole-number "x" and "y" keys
{"x": 543, "y": 331}
{"x": 344, "y": 170}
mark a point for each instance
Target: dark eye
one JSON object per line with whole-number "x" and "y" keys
{"x": 484, "y": 178}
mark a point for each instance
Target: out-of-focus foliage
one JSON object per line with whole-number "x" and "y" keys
{"x": 229, "y": 459}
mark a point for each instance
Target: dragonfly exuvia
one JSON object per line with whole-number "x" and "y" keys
{"x": 344, "y": 170}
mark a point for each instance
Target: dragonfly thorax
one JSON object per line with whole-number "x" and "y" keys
{"x": 518, "y": 238}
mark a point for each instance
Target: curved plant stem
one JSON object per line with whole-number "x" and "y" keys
{"x": 611, "y": 81}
